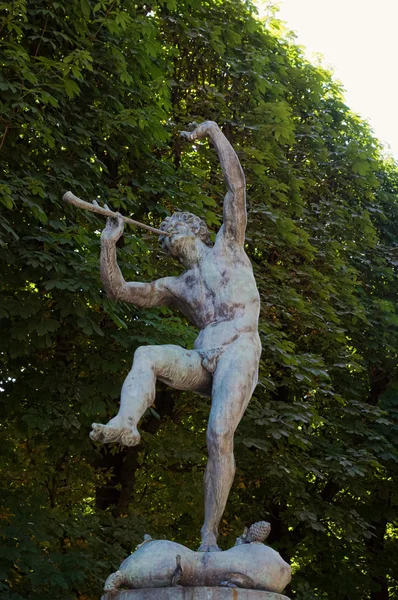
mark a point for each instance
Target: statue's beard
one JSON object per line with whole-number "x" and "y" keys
{"x": 181, "y": 247}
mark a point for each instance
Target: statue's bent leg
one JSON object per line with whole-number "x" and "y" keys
{"x": 179, "y": 368}
{"x": 233, "y": 384}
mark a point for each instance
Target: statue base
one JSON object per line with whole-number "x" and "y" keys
{"x": 166, "y": 566}
{"x": 193, "y": 593}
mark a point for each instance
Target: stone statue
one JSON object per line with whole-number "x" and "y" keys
{"x": 218, "y": 293}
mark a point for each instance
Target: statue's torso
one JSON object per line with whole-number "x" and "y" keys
{"x": 220, "y": 296}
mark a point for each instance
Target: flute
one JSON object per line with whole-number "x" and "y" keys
{"x": 106, "y": 212}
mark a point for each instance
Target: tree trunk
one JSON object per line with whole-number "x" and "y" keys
{"x": 376, "y": 548}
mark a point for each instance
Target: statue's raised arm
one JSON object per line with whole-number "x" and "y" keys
{"x": 235, "y": 200}
{"x": 143, "y": 295}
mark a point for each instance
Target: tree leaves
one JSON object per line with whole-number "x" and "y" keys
{"x": 93, "y": 96}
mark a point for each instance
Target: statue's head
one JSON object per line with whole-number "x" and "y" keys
{"x": 185, "y": 229}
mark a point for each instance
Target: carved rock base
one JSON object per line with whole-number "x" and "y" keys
{"x": 163, "y": 564}
{"x": 193, "y": 593}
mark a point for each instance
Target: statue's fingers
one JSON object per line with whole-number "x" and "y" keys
{"x": 187, "y": 135}
{"x": 106, "y": 207}
{"x": 95, "y": 203}
{"x": 120, "y": 220}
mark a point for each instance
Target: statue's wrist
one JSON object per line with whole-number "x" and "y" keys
{"x": 210, "y": 127}
{"x": 205, "y": 129}
{"x": 108, "y": 243}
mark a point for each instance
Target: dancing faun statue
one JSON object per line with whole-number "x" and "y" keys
{"x": 218, "y": 293}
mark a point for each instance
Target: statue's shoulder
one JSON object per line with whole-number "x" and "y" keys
{"x": 227, "y": 244}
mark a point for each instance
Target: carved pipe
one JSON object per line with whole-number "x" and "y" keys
{"x": 72, "y": 199}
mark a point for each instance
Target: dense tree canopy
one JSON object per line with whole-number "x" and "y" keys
{"x": 92, "y": 97}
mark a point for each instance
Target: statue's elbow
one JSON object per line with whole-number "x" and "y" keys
{"x": 211, "y": 125}
{"x": 240, "y": 188}
{"x": 111, "y": 293}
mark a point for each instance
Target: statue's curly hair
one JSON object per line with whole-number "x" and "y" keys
{"x": 197, "y": 225}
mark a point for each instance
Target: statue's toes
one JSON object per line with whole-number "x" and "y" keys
{"x": 96, "y": 432}
{"x": 105, "y": 434}
{"x": 111, "y": 435}
{"x": 187, "y": 135}
{"x": 130, "y": 438}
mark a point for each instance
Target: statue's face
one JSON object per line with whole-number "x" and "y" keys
{"x": 181, "y": 244}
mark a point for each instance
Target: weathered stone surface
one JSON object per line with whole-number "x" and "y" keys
{"x": 162, "y": 564}
{"x": 198, "y": 593}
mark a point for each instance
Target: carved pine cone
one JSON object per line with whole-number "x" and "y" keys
{"x": 258, "y": 532}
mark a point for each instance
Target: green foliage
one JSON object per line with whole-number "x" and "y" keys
{"x": 92, "y": 98}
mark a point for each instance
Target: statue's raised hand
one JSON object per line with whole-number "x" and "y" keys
{"x": 114, "y": 229}
{"x": 200, "y": 131}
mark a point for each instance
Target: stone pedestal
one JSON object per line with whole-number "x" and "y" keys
{"x": 193, "y": 593}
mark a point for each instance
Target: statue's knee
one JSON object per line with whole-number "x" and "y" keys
{"x": 149, "y": 357}
{"x": 144, "y": 354}
{"x": 219, "y": 439}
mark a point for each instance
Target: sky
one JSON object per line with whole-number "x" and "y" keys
{"x": 359, "y": 41}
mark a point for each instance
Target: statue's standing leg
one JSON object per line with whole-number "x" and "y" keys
{"x": 233, "y": 384}
{"x": 179, "y": 368}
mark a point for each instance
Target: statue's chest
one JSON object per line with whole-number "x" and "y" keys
{"x": 214, "y": 273}
{"x": 204, "y": 285}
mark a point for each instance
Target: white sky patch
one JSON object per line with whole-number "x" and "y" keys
{"x": 359, "y": 41}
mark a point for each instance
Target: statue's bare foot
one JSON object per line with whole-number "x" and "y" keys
{"x": 209, "y": 542}
{"x": 118, "y": 430}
